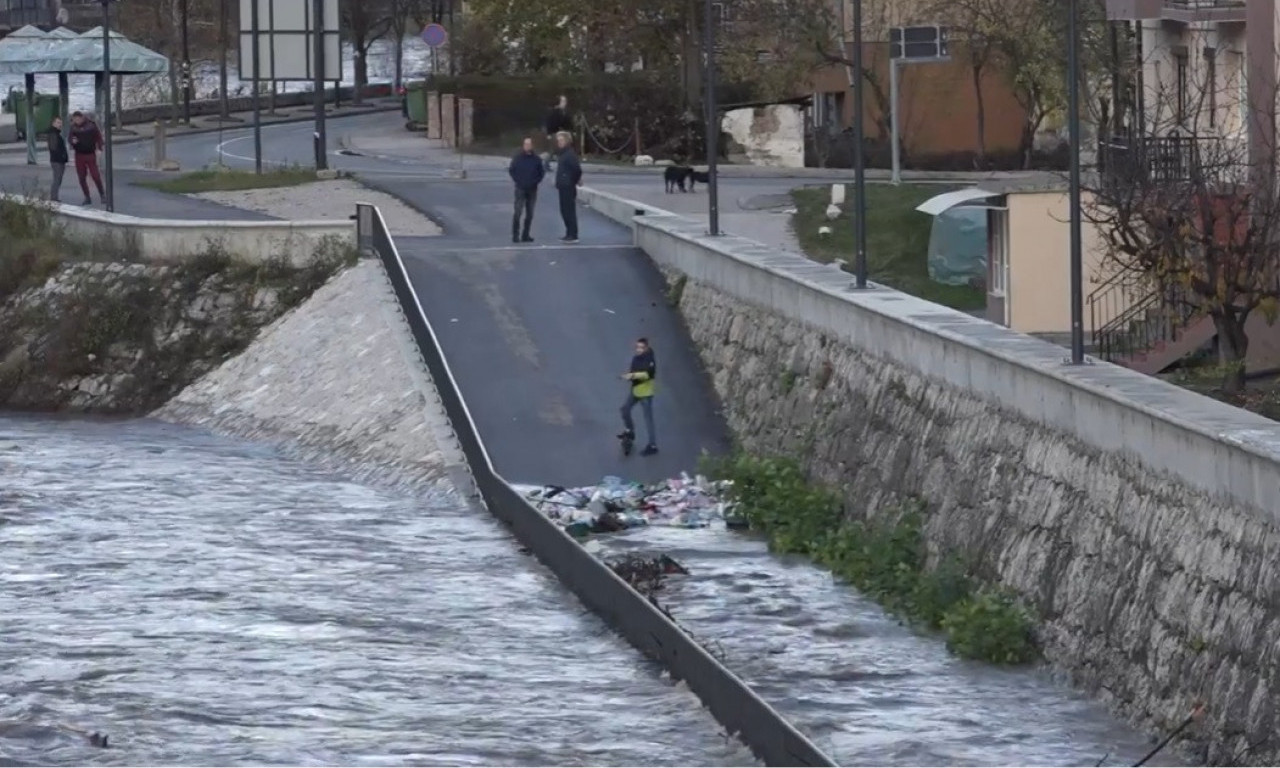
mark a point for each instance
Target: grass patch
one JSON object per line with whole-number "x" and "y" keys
{"x": 221, "y": 180}
{"x": 897, "y": 239}
{"x": 884, "y": 559}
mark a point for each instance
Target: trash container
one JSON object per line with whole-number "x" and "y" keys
{"x": 47, "y": 107}
{"x": 416, "y": 100}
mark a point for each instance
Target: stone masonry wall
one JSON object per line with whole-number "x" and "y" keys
{"x": 337, "y": 382}
{"x": 1152, "y": 596}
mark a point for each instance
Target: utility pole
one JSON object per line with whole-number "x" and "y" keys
{"x": 257, "y": 97}
{"x": 712, "y": 120}
{"x": 186, "y": 62}
{"x": 223, "y": 44}
{"x": 321, "y": 140}
{"x": 859, "y": 172}
{"x": 109, "y": 173}
{"x": 1073, "y": 121}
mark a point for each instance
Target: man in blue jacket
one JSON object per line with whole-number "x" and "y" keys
{"x": 568, "y": 179}
{"x": 526, "y": 171}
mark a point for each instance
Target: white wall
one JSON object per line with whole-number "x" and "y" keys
{"x": 772, "y": 135}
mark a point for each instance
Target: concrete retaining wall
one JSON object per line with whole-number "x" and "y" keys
{"x": 1138, "y": 518}
{"x": 176, "y": 238}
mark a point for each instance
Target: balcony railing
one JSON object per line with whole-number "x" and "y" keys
{"x": 1204, "y": 10}
{"x": 1151, "y": 159}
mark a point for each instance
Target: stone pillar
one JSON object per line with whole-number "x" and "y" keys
{"x": 433, "y": 115}
{"x": 466, "y": 116}
{"x": 448, "y": 120}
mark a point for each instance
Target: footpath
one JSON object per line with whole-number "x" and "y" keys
{"x": 16, "y": 152}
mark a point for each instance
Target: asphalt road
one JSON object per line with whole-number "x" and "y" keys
{"x": 537, "y": 335}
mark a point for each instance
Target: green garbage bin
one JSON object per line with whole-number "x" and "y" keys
{"x": 416, "y": 102}
{"x": 47, "y": 107}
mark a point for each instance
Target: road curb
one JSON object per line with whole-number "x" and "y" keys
{"x": 17, "y": 149}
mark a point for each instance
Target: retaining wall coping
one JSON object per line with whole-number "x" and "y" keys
{"x": 1236, "y": 453}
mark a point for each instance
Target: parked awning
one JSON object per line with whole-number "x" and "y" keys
{"x": 967, "y": 198}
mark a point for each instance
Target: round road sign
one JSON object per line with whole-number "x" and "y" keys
{"x": 434, "y": 35}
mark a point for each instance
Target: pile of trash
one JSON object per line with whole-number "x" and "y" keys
{"x": 615, "y": 505}
{"x": 646, "y": 574}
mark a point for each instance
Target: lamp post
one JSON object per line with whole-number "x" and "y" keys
{"x": 257, "y": 96}
{"x": 318, "y": 62}
{"x": 223, "y": 44}
{"x": 1073, "y": 122}
{"x": 186, "y": 64}
{"x": 712, "y": 121}
{"x": 859, "y": 172}
{"x": 109, "y": 180}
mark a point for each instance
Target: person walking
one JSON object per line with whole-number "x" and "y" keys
{"x": 643, "y": 376}
{"x": 527, "y": 173}
{"x": 58, "y": 157}
{"x": 568, "y": 179}
{"x": 86, "y": 142}
{"x": 558, "y": 119}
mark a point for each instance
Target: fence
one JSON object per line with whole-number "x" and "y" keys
{"x": 641, "y": 622}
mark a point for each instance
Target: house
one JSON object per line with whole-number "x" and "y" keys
{"x": 938, "y": 101}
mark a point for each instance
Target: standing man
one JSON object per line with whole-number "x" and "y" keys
{"x": 86, "y": 141}
{"x": 568, "y": 179}
{"x": 558, "y": 119}
{"x": 643, "y": 374}
{"x": 58, "y": 157}
{"x": 527, "y": 172}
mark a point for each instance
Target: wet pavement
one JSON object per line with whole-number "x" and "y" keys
{"x": 206, "y": 602}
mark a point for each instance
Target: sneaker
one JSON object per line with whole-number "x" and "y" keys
{"x": 526, "y": 239}
{"x": 626, "y": 435}
{"x": 515, "y": 239}
{"x": 649, "y": 450}
{"x": 568, "y": 239}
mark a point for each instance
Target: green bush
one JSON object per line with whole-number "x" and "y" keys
{"x": 886, "y": 559}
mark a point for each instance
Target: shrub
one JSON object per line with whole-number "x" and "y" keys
{"x": 886, "y": 558}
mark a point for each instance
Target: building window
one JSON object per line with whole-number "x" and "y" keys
{"x": 1180, "y": 88}
{"x": 1242, "y": 91}
{"x": 1211, "y": 77}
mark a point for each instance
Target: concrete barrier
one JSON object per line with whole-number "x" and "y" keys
{"x": 176, "y": 238}
{"x": 619, "y": 209}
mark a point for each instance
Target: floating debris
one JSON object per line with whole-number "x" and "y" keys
{"x": 615, "y": 505}
{"x": 647, "y": 574}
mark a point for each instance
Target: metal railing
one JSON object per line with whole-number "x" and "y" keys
{"x": 641, "y": 621}
{"x": 1124, "y": 327}
{"x": 1150, "y": 159}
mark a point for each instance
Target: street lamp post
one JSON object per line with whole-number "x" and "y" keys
{"x": 223, "y": 44}
{"x": 108, "y": 171}
{"x": 257, "y": 96}
{"x": 186, "y": 64}
{"x": 1073, "y": 122}
{"x": 859, "y": 172}
{"x": 712, "y": 121}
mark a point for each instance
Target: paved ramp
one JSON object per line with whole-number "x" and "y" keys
{"x": 537, "y": 336}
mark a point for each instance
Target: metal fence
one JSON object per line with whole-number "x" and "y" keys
{"x": 642, "y": 622}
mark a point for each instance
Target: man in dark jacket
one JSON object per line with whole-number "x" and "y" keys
{"x": 558, "y": 119}
{"x": 527, "y": 172}
{"x": 58, "y": 157}
{"x": 568, "y": 179}
{"x": 643, "y": 376}
{"x": 86, "y": 141}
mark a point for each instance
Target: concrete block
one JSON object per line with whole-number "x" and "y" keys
{"x": 433, "y": 115}
{"x": 466, "y": 118}
{"x": 449, "y": 119}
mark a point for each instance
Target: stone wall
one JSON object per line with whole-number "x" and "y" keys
{"x": 337, "y": 382}
{"x": 1136, "y": 518}
{"x": 772, "y": 135}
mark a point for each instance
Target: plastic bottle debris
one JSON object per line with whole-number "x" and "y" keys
{"x": 616, "y": 505}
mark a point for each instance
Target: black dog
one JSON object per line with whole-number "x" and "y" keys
{"x": 675, "y": 176}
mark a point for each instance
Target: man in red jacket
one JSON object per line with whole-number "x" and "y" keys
{"x": 86, "y": 142}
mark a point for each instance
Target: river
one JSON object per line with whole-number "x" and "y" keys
{"x": 151, "y": 89}
{"x": 866, "y": 689}
{"x": 205, "y": 601}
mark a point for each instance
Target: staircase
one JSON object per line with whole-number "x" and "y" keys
{"x": 1149, "y": 333}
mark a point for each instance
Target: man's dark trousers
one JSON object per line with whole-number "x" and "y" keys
{"x": 524, "y": 202}
{"x": 569, "y": 211}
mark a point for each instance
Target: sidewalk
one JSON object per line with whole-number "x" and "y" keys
{"x": 138, "y": 132}
{"x": 397, "y": 144}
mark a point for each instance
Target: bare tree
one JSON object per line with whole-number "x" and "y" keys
{"x": 366, "y": 22}
{"x": 1188, "y": 208}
